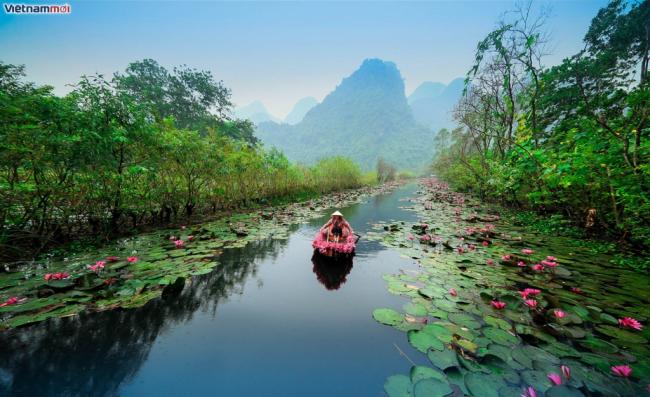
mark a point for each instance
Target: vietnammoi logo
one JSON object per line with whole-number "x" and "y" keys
{"x": 32, "y": 9}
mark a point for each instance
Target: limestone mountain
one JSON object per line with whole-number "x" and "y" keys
{"x": 366, "y": 117}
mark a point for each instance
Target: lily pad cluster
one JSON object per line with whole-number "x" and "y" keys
{"x": 130, "y": 272}
{"x": 502, "y": 311}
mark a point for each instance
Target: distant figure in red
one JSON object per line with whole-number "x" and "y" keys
{"x": 337, "y": 229}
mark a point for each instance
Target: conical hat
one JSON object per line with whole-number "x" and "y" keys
{"x": 336, "y": 213}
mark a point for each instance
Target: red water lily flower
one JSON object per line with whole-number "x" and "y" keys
{"x": 485, "y": 243}
{"x": 554, "y": 378}
{"x": 629, "y": 322}
{"x": 490, "y": 262}
{"x": 10, "y": 301}
{"x": 453, "y": 292}
{"x": 623, "y": 371}
{"x": 532, "y": 303}
{"x": 56, "y": 276}
{"x": 559, "y": 313}
{"x": 132, "y": 259}
{"x": 498, "y": 304}
{"x": 576, "y": 290}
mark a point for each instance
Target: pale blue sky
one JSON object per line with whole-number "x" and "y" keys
{"x": 277, "y": 52}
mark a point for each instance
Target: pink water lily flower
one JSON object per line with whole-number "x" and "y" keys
{"x": 623, "y": 371}
{"x": 629, "y": 322}
{"x": 538, "y": 267}
{"x": 410, "y": 237}
{"x": 485, "y": 243}
{"x": 521, "y": 264}
{"x": 498, "y": 304}
{"x": 190, "y": 238}
{"x": 99, "y": 265}
{"x": 10, "y": 301}
{"x": 549, "y": 263}
{"x": 532, "y": 303}
{"x": 172, "y": 238}
{"x": 490, "y": 262}
{"x": 56, "y": 276}
{"x": 453, "y": 292}
{"x": 506, "y": 258}
{"x": 527, "y": 251}
{"x": 179, "y": 243}
{"x": 551, "y": 258}
{"x": 576, "y": 290}
{"x": 559, "y": 313}
{"x": 554, "y": 378}
{"x": 533, "y": 291}
{"x": 132, "y": 259}
{"x": 566, "y": 371}
{"x": 529, "y": 392}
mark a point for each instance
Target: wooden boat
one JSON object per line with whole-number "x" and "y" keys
{"x": 323, "y": 246}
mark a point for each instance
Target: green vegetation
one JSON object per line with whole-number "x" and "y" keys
{"x": 570, "y": 139}
{"x": 145, "y": 147}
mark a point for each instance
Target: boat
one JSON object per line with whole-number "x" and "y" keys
{"x": 325, "y": 247}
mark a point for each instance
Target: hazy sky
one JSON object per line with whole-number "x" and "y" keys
{"x": 277, "y": 52}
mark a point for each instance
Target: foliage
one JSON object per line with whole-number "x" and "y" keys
{"x": 117, "y": 154}
{"x": 571, "y": 139}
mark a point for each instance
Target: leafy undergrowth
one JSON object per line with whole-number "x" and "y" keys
{"x": 132, "y": 271}
{"x": 501, "y": 310}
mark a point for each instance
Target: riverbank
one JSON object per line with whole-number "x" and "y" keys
{"x": 497, "y": 307}
{"x": 131, "y": 271}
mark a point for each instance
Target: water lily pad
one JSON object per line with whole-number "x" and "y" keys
{"x": 419, "y": 372}
{"x": 424, "y": 341}
{"x": 431, "y": 387}
{"x": 620, "y": 333}
{"x": 398, "y": 386}
{"x": 439, "y": 331}
{"x": 464, "y": 320}
{"x": 443, "y": 359}
{"x": 483, "y": 385}
{"x": 500, "y": 336}
{"x": 387, "y": 316}
{"x": 415, "y": 309}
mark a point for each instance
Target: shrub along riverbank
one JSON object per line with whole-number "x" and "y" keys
{"x": 147, "y": 147}
{"x": 571, "y": 139}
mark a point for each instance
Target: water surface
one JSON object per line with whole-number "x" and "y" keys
{"x": 266, "y": 321}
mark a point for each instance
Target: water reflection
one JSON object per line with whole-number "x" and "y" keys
{"x": 93, "y": 354}
{"x": 331, "y": 272}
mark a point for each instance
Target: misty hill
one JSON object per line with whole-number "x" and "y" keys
{"x": 300, "y": 109}
{"x": 365, "y": 117}
{"x": 428, "y": 89}
{"x": 255, "y": 112}
{"x": 433, "y": 103}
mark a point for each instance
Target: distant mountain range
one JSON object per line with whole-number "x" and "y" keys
{"x": 300, "y": 109}
{"x": 366, "y": 117}
{"x": 433, "y": 103}
{"x": 255, "y": 112}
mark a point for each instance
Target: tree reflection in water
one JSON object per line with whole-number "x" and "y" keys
{"x": 94, "y": 353}
{"x": 332, "y": 273}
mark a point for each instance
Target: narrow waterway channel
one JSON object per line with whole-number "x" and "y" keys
{"x": 266, "y": 321}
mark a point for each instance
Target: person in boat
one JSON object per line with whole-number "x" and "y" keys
{"x": 337, "y": 229}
